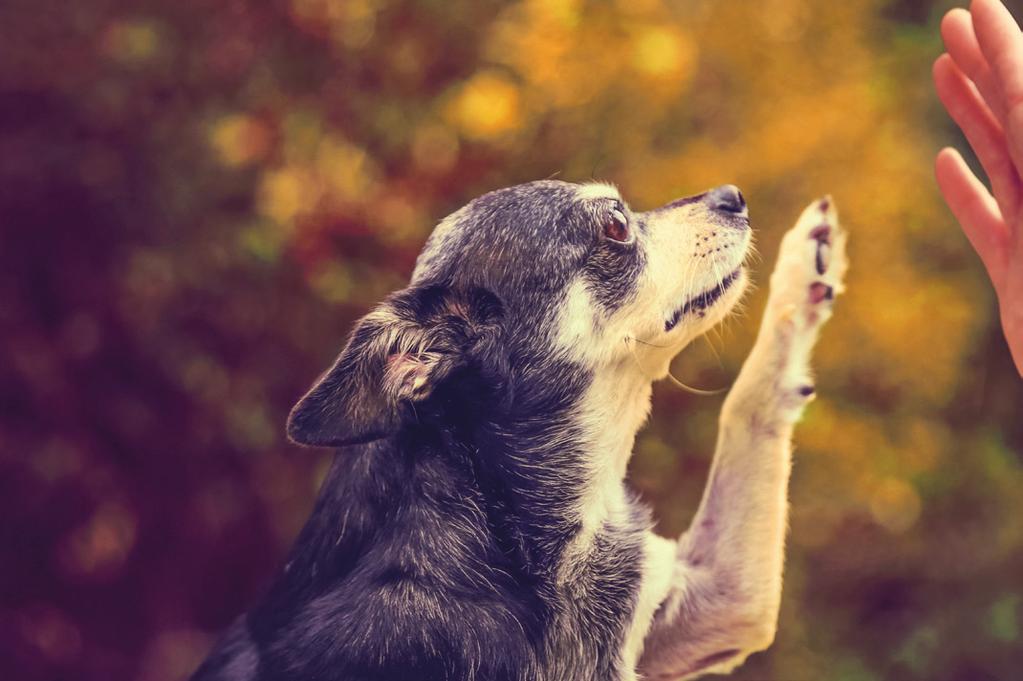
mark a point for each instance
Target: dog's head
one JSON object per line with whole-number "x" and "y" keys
{"x": 523, "y": 276}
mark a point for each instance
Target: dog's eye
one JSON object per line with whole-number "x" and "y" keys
{"x": 616, "y": 227}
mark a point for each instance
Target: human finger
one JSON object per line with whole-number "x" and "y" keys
{"x": 975, "y": 209}
{"x": 1001, "y": 42}
{"x": 983, "y": 132}
{"x": 961, "y": 43}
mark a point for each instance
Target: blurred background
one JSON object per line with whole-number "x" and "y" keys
{"x": 197, "y": 199}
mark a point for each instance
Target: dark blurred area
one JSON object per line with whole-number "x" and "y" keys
{"x": 197, "y": 199}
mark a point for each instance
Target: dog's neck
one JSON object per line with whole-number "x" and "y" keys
{"x": 559, "y": 456}
{"x": 617, "y": 402}
{"x": 614, "y": 407}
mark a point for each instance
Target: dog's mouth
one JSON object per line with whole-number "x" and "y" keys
{"x": 703, "y": 300}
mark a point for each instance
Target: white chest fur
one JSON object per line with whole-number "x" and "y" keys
{"x": 613, "y": 409}
{"x": 658, "y": 575}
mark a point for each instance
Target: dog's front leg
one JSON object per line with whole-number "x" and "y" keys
{"x": 723, "y": 604}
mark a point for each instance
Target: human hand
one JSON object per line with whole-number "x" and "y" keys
{"x": 980, "y": 82}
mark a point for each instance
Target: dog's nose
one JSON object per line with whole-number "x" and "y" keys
{"x": 727, "y": 198}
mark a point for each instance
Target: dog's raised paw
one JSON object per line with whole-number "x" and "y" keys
{"x": 811, "y": 266}
{"x": 807, "y": 278}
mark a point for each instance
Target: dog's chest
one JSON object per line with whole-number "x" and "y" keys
{"x": 615, "y": 572}
{"x": 599, "y": 589}
{"x": 658, "y": 574}
{"x": 611, "y": 587}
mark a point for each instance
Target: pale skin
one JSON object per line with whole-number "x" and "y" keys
{"x": 980, "y": 82}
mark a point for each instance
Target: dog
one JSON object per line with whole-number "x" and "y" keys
{"x": 475, "y": 523}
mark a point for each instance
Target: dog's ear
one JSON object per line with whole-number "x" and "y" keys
{"x": 398, "y": 357}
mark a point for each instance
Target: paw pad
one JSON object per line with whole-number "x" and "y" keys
{"x": 823, "y": 257}
{"x": 820, "y": 292}
{"x": 822, "y": 233}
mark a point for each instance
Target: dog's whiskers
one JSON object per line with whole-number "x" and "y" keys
{"x": 678, "y": 383}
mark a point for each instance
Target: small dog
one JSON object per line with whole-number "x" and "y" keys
{"x": 475, "y": 523}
